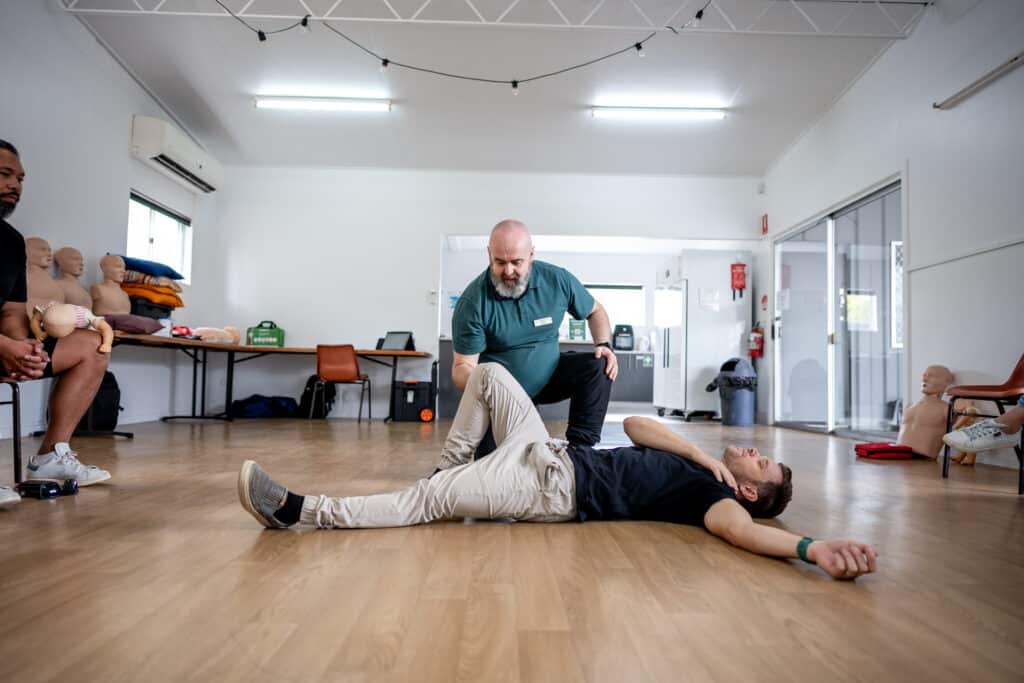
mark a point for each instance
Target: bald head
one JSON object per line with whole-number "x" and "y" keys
{"x": 510, "y": 250}
{"x": 936, "y": 379}
{"x": 69, "y": 260}
{"x": 37, "y": 250}
{"x": 112, "y": 267}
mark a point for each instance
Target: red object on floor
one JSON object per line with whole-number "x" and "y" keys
{"x": 883, "y": 450}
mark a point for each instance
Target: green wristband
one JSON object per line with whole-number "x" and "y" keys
{"x": 801, "y": 548}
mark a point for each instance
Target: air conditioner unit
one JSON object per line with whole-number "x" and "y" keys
{"x": 162, "y": 146}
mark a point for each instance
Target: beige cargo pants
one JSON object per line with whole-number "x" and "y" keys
{"x": 528, "y": 477}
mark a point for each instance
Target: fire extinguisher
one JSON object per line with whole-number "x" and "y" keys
{"x": 739, "y": 279}
{"x": 755, "y": 341}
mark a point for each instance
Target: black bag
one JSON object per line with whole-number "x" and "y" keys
{"x": 325, "y": 393}
{"x": 264, "y": 406}
{"x": 102, "y": 414}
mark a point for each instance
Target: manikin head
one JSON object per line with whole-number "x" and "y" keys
{"x": 70, "y": 261}
{"x": 935, "y": 380}
{"x": 765, "y": 486}
{"x": 112, "y": 267}
{"x": 511, "y": 254}
{"x": 59, "y": 320}
{"x": 12, "y": 175}
{"x": 38, "y": 252}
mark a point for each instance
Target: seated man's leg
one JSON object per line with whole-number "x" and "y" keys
{"x": 520, "y": 480}
{"x": 493, "y": 399}
{"x": 79, "y": 368}
{"x": 581, "y": 378}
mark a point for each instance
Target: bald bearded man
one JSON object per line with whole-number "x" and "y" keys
{"x": 510, "y": 314}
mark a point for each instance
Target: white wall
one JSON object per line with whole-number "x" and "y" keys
{"x": 67, "y": 106}
{"x": 962, "y": 172}
{"x": 343, "y": 255}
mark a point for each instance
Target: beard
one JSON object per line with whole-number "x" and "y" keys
{"x": 510, "y": 291}
{"x": 7, "y": 208}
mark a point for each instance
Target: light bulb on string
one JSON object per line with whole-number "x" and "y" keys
{"x": 262, "y": 36}
{"x": 384, "y": 64}
{"x": 304, "y": 26}
{"x": 696, "y": 19}
{"x": 640, "y": 50}
{"x": 515, "y": 87}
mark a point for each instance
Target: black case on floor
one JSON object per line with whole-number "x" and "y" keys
{"x": 410, "y": 399}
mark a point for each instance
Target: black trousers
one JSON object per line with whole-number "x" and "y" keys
{"x": 581, "y": 378}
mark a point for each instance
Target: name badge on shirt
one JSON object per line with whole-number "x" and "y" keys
{"x": 542, "y": 321}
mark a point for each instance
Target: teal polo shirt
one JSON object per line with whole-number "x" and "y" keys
{"x": 521, "y": 334}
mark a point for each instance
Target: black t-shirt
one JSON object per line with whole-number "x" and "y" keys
{"x": 643, "y": 483}
{"x": 13, "y": 264}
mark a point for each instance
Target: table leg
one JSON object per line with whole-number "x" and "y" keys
{"x": 229, "y": 387}
{"x": 202, "y": 413}
{"x": 195, "y": 379}
{"x": 391, "y": 390}
{"x": 198, "y": 412}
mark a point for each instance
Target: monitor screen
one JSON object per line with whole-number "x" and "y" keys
{"x": 396, "y": 341}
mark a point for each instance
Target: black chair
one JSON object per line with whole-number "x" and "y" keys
{"x": 15, "y": 404}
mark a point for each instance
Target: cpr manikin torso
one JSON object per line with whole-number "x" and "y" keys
{"x": 107, "y": 297}
{"x": 42, "y": 288}
{"x": 69, "y": 261}
{"x": 924, "y": 422}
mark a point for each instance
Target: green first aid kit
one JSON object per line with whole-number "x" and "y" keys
{"x": 265, "y": 334}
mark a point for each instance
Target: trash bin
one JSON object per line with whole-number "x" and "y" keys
{"x": 736, "y": 383}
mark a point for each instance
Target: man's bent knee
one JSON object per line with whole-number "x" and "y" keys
{"x": 80, "y": 348}
{"x": 488, "y": 372}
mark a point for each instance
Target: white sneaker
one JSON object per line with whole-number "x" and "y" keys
{"x": 62, "y": 463}
{"x": 8, "y": 496}
{"x": 982, "y": 436}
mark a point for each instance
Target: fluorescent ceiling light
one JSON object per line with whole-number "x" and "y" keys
{"x": 658, "y": 113}
{"x": 322, "y": 103}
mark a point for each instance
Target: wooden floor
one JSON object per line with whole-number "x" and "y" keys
{"x": 160, "y": 575}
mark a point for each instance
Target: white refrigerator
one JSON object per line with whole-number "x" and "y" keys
{"x": 699, "y": 324}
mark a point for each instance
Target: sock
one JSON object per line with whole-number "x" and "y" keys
{"x": 291, "y": 510}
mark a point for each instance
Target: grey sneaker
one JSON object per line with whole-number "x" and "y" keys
{"x": 260, "y": 495}
{"x": 8, "y": 497}
{"x": 62, "y": 463}
{"x": 981, "y": 436}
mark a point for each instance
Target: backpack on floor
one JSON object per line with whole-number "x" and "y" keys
{"x": 325, "y": 393}
{"x": 264, "y": 406}
{"x": 102, "y": 414}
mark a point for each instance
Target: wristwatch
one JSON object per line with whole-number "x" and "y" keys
{"x": 605, "y": 344}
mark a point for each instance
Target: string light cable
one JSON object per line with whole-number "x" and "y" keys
{"x": 385, "y": 62}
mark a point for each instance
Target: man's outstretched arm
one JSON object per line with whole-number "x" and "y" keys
{"x": 841, "y": 559}
{"x": 643, "y": 431}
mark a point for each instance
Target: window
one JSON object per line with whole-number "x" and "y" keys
{"x": 625, "y": 304}
{"x": 158, "y": 234}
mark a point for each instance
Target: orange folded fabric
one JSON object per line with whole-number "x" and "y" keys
{"x": 165, "y": 296}
{"x": 135, "y": 277}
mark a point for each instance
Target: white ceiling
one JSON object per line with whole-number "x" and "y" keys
{"x": 206, "y": 70}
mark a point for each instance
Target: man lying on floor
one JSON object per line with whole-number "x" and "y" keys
{"x": 532, "y": 477}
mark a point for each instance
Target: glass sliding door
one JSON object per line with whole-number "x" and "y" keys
{"x": 839, "y": 321}
{"x": 869, "y": 315}
{"x": 801, "y": 328}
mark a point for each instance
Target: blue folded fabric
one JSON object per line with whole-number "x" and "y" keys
{"x": 151, "y": 268}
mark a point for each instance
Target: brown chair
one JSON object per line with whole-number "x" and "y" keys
{"x": 338, "y": 364}
{"x": 15, "y": 404}
{"x": 1005, "y": 394}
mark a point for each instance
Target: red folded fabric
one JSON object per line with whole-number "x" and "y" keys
{"x": 883, "y": 450}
